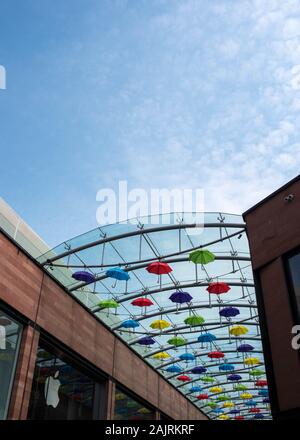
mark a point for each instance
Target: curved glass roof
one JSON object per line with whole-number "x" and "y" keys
{"x": 208, "y": 345}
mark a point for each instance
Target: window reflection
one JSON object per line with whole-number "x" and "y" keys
{"x": 61, "y": 391}
{"x": 294, "y": 267}
{"x": 127, "y": 408}
{"x": 10, "y": 334}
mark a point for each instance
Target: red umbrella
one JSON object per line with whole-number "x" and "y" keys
{"x": 254, "y": 410}
{"x": 217, "y": 288}
{"x": 261, "y": 383}
{"x": 239, "y": 418}
{"x": 159, "y": 268}
{"x": 216, "y": 355}
{"x": 142, "y": 302}
{"x": 184, "y": 378}
{"x": 202, "y": 397}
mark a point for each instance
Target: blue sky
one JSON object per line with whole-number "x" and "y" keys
{"x": 161, "y": 93}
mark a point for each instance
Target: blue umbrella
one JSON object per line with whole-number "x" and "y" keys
{"x": 207, "y": 337}
{"x": 218, "y": 410}
{"x": 198, "y": 370}
{"x": 187, "y": 357}
{"x": 266, "y": 400}
{"x": 263, "y": 393}
{"x": 251, "y": 403}
{"x": 129, "y": 323}
{"x": 234, "y": 377}
{"x": 226, "y": 367}
{"x": 146, "y": 340}
{"x": 195, "y": 389}
{"x": 174, "y": 369}
{"x": 84, "y": 276}
{"x": 118, "y": 274}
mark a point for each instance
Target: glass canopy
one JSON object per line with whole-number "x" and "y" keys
{"x": 179, "y": 290}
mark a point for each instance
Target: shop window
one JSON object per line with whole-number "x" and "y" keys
{"x": 293, "y": 264}
{"x": 128, "y": 408}
{"x": 10, "y": 334}
{"x": 62, "y": 391}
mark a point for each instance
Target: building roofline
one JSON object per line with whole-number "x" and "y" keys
{"x": 277, "y": 191}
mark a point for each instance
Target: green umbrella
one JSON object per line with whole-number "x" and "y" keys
{"x": 212, "y": 405}
{"x": 222, "y": 398}
{"x": 201, "y": 256}
{"x": 194, "y": 320}
{"x": 207, "y": 379}
{"x": 108, "y": 304}
{"x": 240, "y": 387}
{"x": 256, "y": 372}
{"x": 176, "y": 341}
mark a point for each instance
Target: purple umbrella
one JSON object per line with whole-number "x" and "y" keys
{"x": 229, "y": 312}
{"x": 198, "y": 370}
{"x": 234, "y": 411}
{"x": 234, "y": 377}
{"x": 245, "y": 348}
{"x": 146, "y": 340}
{"x": 84, "y": 276}
{"x": 180, "y": 298}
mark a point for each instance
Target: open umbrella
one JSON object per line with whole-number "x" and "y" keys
{"x": 203, "y": 396}
{"x": 184, "y": 378}
{"x": 198, "y": 370}
{"x": 159, "y": 268}
{"x": 240, "y": 387}
{"x": 226, "y": 367}
{"x": 174, "y": 369}
{"x": 234, "y": 411}
{"x": 259, "y": 416}
{"x": 256, "y": 372}
{"x": 118, "y": 274}
{"x": 223, "y": 417}
{"x": 217, "y": 288}
{"x": 239, "y": 418}
{"x": 212, "y": 405}
{"x": 161, "y": 356}
{"x": 84, "y": 276}
{"x": 229, "y": 312}
{"x": 251, "y": 403}
{"x": 263, "y": 393}
{"x": 216, "y": 355}
{"x": 244, "y": 348}
{"x": 222, "y": 398}
{"x": 261, "y": 383}
{"x": 246, "y": 396}
{"x": 201, "y": 256}
{"x": 180, "y": 298}
{"x": 195, "y": 389}
{"x": 207, "y": 337}
{"x": 130, "y": 323}
{"x": 177, "y": 341}
{"x": 254, "y": 410}
{"x": 237, "y": 331}
{"x": 216, "y": 389}
{"x": 194, "y": 320}
{"x": 160, "y": 324}
{"x": 146, "y": 340}
{"x": 207, "y": 379}
{"x": 142, "y": 302}
{"x": 108, "y": 304}
{"x": 252, "y": 361}
{"x": 234, "y": 377}
{"x": 187, "y": 357}
{"x": 228, "y": 405}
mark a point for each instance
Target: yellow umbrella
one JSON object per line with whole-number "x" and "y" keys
{"x": 160, "y": 324}
{"x": 246, "y": 396}
{"x": 223, "y": 417}
{"x": 228, "y": 405}
{"x": 238, "y": 330}
{"x": 143, "y": 411}
{"x": 252, "y": 361}
{"x": 161, "y": 355}
{"x": 216, "y": 390}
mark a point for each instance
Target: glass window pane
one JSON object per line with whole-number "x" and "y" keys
{"x": 61, "y": 391}
{"x": 10, "y": 334}
{"x": 127, "y": 408}
{"x": 294, "y": 266}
